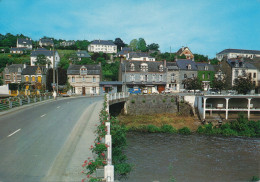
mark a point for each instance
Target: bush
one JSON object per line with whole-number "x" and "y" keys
{"x": 168, "y": 129}
{"x": 184, "y": 131}
{"x": 132, "y": 101}
{"x": 164, "y": 100}
{"x": 143, "y": 101}
{"x": 153, "y": 129}
{"x": 255, "y": 178}
{"x": 172, "y": 99}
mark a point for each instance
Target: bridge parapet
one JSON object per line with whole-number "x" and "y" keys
{"x": 117, "y": 97}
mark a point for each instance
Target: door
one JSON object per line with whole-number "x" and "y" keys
{"x": 83, "y": 91}
{"x": 161, "y": 88}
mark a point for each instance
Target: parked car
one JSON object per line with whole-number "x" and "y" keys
{"x": 167, "y": 91}
{"x": 134, "y": 91}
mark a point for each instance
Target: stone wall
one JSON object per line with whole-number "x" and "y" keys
{"x": 155, "y": 104}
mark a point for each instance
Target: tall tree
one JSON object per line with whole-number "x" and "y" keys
{"x": 219, "y": 83}
{"x": 119, "y": 43}
{"x": 141, "y": 45}
{"x": 192, "y": 84}
{"x": 133, "y": 44}
{"x": 153, "y": 47}
{"x": 243, "y": 85}
{"x": 200, "y": 58}
{"x": 41, "y": 60}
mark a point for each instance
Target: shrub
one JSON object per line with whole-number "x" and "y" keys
{"x": 172, "y": 99}
{"x": 132, "y": 101}
{"x": 143, "y": 101}
{"x": 164, "y": 100}
{"x": 153, "y": 129}
{"x": 168, "y": 129}
{"x": 228, "y": 132}
{"x": 200, "y": 130}
{"x": 255, "y": 178}
{"x": 184, "y": 130}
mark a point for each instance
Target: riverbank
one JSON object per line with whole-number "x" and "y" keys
{"x": 173, "y": 123}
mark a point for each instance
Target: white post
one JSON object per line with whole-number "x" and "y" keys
{"x": 108, "y": 141}
{"x": 204, "y": 107}
{"x": 248, "y": 111}
{"x": 109, "y": 173}
{"x": 227, "y": 99}
{"x": 108, "y": 128}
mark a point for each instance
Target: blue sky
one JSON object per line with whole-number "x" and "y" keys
{"x": 205, "y": 26}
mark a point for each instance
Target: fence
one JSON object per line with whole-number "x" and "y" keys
{"x": 13, "y": 102}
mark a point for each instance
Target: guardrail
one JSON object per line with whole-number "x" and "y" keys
{"x": 13, "y": 102}
{"x": 119, "y": 95}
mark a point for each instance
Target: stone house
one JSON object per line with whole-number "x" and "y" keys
{"x": 12, "y": 73}
{"x": 188, "y": 69}
{"x": 173, "y": 73}
{"x": 34, "y": 76}
{"x": 146, "y": 75}
{"x": 206, "y": 74}
{"x": 124, "y": 51}
{"x": 105, "y": 46}
{"x": 67, "y": 43}
{"x": 84, "y": 79}
{"x": 18, "y": 50}
{"x": 82, "y": 54}
{"x": 185, "y": 51}
{"x": 47, "y": 53}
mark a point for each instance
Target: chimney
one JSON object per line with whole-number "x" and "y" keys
{"x": 24, "y": 66}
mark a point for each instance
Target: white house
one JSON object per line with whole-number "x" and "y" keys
{"x": 46, "y": 42}
{"x": 237, "y": 53}
{"x": 105, "y": 46}
{"x": 24, "y": 43}
{"x": 47, "y": 53}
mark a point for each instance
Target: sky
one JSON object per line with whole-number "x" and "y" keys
{"x": 205, "y": 26}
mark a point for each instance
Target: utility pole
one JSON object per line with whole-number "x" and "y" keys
{"x": 53, "y": 67}
{"x": 57, "y": 80}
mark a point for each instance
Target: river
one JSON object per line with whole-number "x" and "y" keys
{"x": 159, "y": 157}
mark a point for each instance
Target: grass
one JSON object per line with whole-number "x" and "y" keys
{"x": 158, "y": 120}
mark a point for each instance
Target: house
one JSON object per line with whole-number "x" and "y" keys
{"x": 206, "y": 74}
{"x": 24, "y": 43}
{"x": 105, "y": 46}
{"x": 34, "y": 76}
{"x": 82, "y": 54}
{"x": 49, "y": 56}
{"x": 238, "y": 53}
{"x": 84, "y": 79}
{"x": 188, "y": 69}
{"x": 18, "y": 50}
{"x": 185, "y": 51}
{"x": 173, "y": 73}
{"x": 12, "y": 73}
{"x": 46, "y": 42}
{"x": 124, "y": 51}
{"x": 139, "y": 56}
{"x": 67, "y": 43}
{"x": 145, "y": 75}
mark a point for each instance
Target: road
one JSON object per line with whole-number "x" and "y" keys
{"x": 48, "y": 142}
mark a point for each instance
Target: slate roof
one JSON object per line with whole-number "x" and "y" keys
{"x": 172, "y": 66}
{"x": 233, "y": 62}
{"x": 125, "y": 50}
{"x": 14, "y": 67}
{"x": 181, "y": 50}
{"x": 43, "y": 51}
{"x": 85, "y": 54}
{"x": 153, "y": 66}
{"x": 94, "y": 69}
{"x": 103, "y": 42}
{"x": 31, "y": 70}
{"x": 201, "y": 67}
{"x": 24, "y": 41}
{"x": 46, "y": 41}
{"x": 139, "y": 54}
{"x": 183, "y": 64}
{"x": 18, "y": 48}
{"x": 242, "y": 51}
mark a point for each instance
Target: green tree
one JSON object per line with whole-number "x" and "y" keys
{"x": 219, "y": 83}
{"x": 141, "y": 45}
{"x": 119, "y": 43}
{"x": 133, "y": 44}
{"x": 192, "y": 84}
{"x": 200, "y": 58}
{"x": 1, "y": 81}
{"x": 243, "y": 85}
{"x": 214, "y": 61}
{"x": 153, "y": 46}
{"x": 41, "y": 60}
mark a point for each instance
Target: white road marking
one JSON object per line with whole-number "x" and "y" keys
{"x": 43, "y": 115}
{"x": 58, "y": 107}
{"x": 14, "y": 132}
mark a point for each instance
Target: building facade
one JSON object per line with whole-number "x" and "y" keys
{"x": 13, "y": 73}
{"x": 105, "y": 46}
{"x": 238, "y": 53}
{"x": 173, "y": 73}
{"x": 46, "y": 42}
{"x": 145, "y": 75}
{"x": 139, "y": 56}
{"x": 82, "y": 54}
{"x": 67, "y": 43}
{"x": 84, "y": 79}
{"x": 48, "y": 54}
{"x": 206, "y": 74}
{"x": 25, "y": 43}
{"x": 185, "y": 51}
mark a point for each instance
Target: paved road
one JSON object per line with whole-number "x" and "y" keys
{"x": 48, "y": 142}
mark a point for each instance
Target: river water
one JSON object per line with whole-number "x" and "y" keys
{"x": 159, "y": 157}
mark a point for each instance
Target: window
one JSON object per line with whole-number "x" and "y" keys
{"x": 73, "y": 79}
{"x": 153, "y": 77}
{"x": 208, "y": 75}
{"x": 83, "y": 78}
{"x": 144, "y": 67}
{"x": 33, "y": 78}
{"x": 160, "y": 78}
{"x": 94, "y": 79}
{"x": 193, "y": 75}
{"x": 236, "y": 73}
{"x": 145, "y": 78}
{"x": 172, "y": 77}
{"x": 27, "y": 78}
{"x": 83, "y": 70}
{"x": 185, "y": 75}
{"x": 206, "y": 68}
{"x": 203, "y": 76}
{"x": 132, "y": 67}
{"x": 189, "y": 66}
{"x": 254, "y": 75}
{"x": 94, "y": 90}
{"x": 243, "y": 72}
{"x": 39, "y": 79}
{"x": 250, "y": 75}
{"x": 132, "y": 78}
{"x": 161, "y": 68}
{"x": 142, "y": 77}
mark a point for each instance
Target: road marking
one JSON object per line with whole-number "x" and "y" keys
{"x": 58, "y": 107}
{"x": 14, "y": 132}
{"x": 43, "y": 115}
